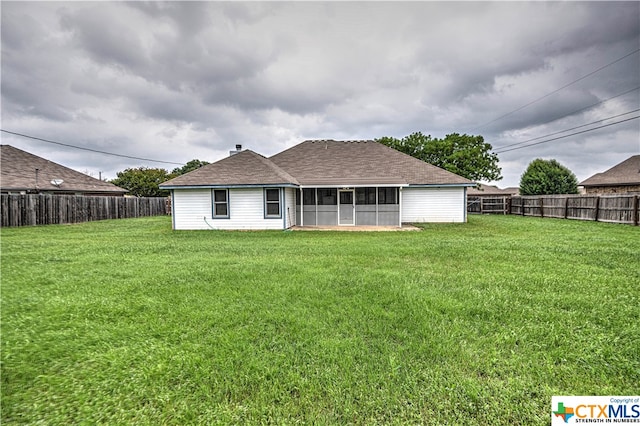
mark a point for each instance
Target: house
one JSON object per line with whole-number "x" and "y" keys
{"x": 482, "y": 190}
{"x": 317, "y": 183}
{"x": 25, "y": 173}
{"x": 621, "y": 178}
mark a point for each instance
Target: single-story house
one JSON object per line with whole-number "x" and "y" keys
{"x": 620, "y": 179}
{"x": 317, "y": 183}
{"x": 482, "y": 190}
{"x": 25, "y": 173}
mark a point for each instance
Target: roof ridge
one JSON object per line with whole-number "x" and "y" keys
{"x": 279, "y": 170}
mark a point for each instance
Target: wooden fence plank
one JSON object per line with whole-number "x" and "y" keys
{"x": 622, "y": 208}
{"x": 48, "y": 209}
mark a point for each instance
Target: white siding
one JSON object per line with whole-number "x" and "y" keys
{"x": 192, "y": 210}
{"x": 290, "y": 206}
{"x": 189, "y": 207}
{"x": 433, "y": 205}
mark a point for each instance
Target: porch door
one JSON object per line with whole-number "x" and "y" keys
{"x": 345, "y": 207}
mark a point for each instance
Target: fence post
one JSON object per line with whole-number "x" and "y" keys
{"x": 634, "y": 204}
{"x": 541, "y": 203}
{"x": 597, "y": 207}
{"x": 566, "y": 206}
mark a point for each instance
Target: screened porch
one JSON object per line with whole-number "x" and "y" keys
{"x": 348, "y": 206}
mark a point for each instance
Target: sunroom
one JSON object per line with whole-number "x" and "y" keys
{"x": 349, "y": 206}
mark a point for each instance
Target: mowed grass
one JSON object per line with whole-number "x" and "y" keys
{"x": 129, "y": 322}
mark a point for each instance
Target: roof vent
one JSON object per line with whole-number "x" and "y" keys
{"x": 238, "y": 149}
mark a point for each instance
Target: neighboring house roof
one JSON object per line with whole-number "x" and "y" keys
{"x": 243, "y": 168}
{"x": 322, "y": 163}
{"x": 625, "y": 173}
{"x": 491, "y": 190}
{"x": 513, "y": 190}
{"x": 18, "y": 173}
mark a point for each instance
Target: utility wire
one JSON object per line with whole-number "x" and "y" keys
{"x": 566, "y": 136}
{"x": 570, "y": 114}
{"x": 557, "y": 90}
{"x": 566, "y": 130}
{"x": 89, "y": 149}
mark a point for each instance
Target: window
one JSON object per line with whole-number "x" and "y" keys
{"x": 220, "y": 203}
{"x": 365, "y": 196}
{"x": 327, "y": 197}
{"x": 387, "y": 195}
{"x": 308, "y": 197}
{"x": 272, "y": 203}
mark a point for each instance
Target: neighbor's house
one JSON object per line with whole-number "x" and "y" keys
{"x": 317, "y": 183}
{"x": 482, "y": 190}
{"x": 620, "y": 179}
{"x": 25, "y": 173}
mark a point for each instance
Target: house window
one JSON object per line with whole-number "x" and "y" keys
{"x": 327, "y": 197}
{"x": 365, "y": 196}
{"x": 220, "y": 203}
{"x": 387, "y": 195}
{"x": 308, "y": 197}
{"x": 272, "y": 203}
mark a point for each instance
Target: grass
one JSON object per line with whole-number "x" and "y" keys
{"x": 120, "y": 322}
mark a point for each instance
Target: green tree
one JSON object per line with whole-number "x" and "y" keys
{"x": 547, "y": 177}
{"x": 465, "y": 155}
{"x": 143, "y": 181}
{"x": 189, "y": 167}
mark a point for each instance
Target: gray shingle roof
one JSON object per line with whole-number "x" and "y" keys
{"x": 491, "y": 190}
{"x": 331, "y": 162}
{"x": 17, "y": 173}
{"x": 625, "y": 173}
{"x": 319, "y": 163}
{"x": 244, "y": 168}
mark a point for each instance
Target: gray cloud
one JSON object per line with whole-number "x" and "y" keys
{"x": 183, "y": 80}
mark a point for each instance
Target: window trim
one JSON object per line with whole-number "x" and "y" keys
{"x": 266, "y": 203}
{"x": 214, "y": 203}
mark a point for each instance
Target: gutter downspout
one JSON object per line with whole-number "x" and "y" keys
{"x": 400, "y": 207}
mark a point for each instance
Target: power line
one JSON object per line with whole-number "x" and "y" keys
{"x": 567, "y": 130}
{"x": 559, "y": 89}
{"x": 89, "y": 149}
{"x": 566, "y": 136}
{"x": 570, "y": 114}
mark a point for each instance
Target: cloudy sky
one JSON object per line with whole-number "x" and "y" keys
{"x": 182, "y": 80}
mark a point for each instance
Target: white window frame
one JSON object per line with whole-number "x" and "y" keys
{"x": 267, "y": 202}
{"x": 214, "y": 203}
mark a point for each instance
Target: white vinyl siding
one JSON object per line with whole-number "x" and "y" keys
{"x": 189, "y": 207}
{"x": 438, "y": 204}
{"x": 290, "y": 206}
{"x": 193, "y": 209}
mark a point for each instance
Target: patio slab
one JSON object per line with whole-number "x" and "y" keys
{"x": 356, "y": 228}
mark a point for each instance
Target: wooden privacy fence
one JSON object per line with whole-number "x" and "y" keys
{"x": 488, "y": 205}
{"x": 47, "y": 209}
{"x": 601, "y": 208}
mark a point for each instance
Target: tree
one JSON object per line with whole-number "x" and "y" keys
{"x": 189, "y": 167}
{"x": 465, "y": 155}
{"x": 142, "y": 181}
{"x": 547, "y": 177}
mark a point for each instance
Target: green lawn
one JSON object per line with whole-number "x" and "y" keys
{"x": 121, "y": 322}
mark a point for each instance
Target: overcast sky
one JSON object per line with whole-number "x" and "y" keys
{"x": 177, "y": 81}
